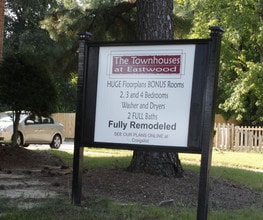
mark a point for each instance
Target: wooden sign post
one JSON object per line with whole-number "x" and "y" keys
{"x": 208, "y": 124}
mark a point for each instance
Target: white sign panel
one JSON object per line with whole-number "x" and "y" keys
{"x": 144, "y": 94}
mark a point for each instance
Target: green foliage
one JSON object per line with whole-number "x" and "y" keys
{"x": 246, "y": 100}
{"x": 22, "y": 30}
{"x": 240, "y": 89}
{"x": 67, "y": 93}
{"x": 25, "y": 85}
{"x": 106, "y": 20}
{"x": 183, "y": 12}
{"x": 25, "y": 35}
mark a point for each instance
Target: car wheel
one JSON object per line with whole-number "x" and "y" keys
{"x": 19, "y": 140}
{"x": 56, "y": 142}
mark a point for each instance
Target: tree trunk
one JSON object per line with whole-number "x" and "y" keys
{"x": 155, "y": 21}
{"x": 16, "y": 116}
{"x": 2, "y": 16}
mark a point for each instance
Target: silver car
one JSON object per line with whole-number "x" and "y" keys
{"x": 32, "y": 129}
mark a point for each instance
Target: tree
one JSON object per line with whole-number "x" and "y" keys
{"x": 2, "y": 16}
{"x": 25, "y": 33}
{"x": 22, "y": 29}
{"x": 241, "y": 75}
{"x": 155, "y": 21}
{"x": 25, "y": 85}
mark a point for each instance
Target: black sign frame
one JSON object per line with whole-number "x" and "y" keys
{"x": 197, "y": 98}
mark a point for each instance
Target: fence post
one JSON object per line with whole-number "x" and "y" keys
{"x": 232, "y": 140}
{"x": 241, "y": 144}
{"x": 260, "y": 141}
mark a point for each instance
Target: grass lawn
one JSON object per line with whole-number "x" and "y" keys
{"x": 234, "y": 166}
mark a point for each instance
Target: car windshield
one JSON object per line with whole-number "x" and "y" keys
{"x": 8, "y": 116}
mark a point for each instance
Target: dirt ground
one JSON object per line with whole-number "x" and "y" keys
{"x": 27, "y": 176}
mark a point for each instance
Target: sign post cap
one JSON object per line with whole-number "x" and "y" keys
{"x": 216, "y": 29}
{"x": 84, "y": 34}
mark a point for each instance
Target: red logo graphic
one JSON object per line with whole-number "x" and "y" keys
{"x": 152, "y": 64}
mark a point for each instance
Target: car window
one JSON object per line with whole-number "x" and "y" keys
{"x": 2, "y": 115}
{"x": 33, "y": 119}
{"x": 47, "y": 120}
{"x": 5, "y": 117}
{"x": 8, "y": 116}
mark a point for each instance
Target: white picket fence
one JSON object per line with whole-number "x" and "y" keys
{"x": 238, "y": 138}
